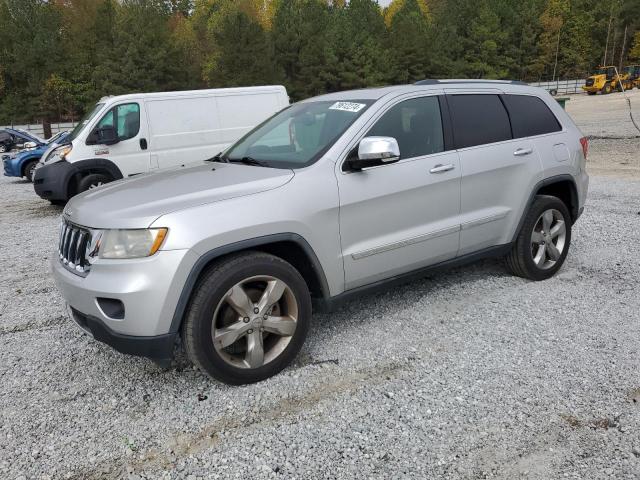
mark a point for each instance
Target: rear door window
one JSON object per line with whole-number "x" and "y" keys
{"x": 478, "y": 119}
{"x": 530, "y": 116}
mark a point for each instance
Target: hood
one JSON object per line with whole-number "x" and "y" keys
{"x": 138, "y": 201}
{"x": 34, "y": 152}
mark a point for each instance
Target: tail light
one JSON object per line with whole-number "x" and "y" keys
{"x": 584, "y": 141}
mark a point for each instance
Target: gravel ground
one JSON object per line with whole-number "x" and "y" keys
{"x": 468, "y": 374}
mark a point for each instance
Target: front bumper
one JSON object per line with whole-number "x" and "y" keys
{"x": 148, "y": 289}
{"x": 51, "y": 181}
{"x": 158, "y": 348}
{"x": 11, "y": 167}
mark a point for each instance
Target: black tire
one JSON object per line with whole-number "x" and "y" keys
{"x": 29, "y": 169}
{"x": 208, "y": 295}
{"x": 591, "y": 93}
{"x": 520, "y": 261}
{"x": 91, "y": 181}
{"x": 3, "y": 148}
{"x": 58, "y": 203}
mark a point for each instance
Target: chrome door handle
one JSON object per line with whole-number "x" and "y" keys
{"x": 441, "y": 168}
{"x": 521, "y": 152}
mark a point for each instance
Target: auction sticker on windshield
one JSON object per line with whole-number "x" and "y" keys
{"x": 347, "y": 106}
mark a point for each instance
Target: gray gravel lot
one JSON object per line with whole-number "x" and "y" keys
{"x": 468, "y": 374}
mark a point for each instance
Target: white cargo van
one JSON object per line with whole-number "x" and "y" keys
{"x": 128, "y": 135}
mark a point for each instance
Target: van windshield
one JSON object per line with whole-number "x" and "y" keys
{"x": 297, "y": 136}
{"x": 86, "y": 119}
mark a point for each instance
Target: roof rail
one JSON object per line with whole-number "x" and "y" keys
{"x": 434, "y": 81}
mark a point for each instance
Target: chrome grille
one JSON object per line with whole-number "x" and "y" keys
{"x": 72, "y": 248}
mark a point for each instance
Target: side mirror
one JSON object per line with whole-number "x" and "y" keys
{"x": 106, "y": 135}
{"x": 375, "y": 151}
{"x": 30, "y": 145}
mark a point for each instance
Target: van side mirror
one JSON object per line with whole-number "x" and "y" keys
{"x": 106, "y": 135}
{"x": 374, "y": 151}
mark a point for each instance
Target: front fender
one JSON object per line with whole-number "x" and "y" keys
{"x": 52, "y": 181}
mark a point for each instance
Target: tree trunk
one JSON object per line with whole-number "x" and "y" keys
{"x": 46, "y": 126}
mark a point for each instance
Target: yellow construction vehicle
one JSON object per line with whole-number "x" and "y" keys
{"x": 634, "y": 75}
{"x": 606, "y": 80}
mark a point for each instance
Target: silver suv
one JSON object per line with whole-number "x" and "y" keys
{"x": 332, "y": 197}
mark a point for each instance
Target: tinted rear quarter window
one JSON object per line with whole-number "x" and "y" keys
{"x": 530, "y": 116}
{"x": 478, "y": 120}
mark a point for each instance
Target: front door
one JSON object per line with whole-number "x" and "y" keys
{"x": 402, "y": 216}
{"x": 130, "y": 154}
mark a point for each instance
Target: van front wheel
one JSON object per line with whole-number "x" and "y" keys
{"x": 30, "y": 169}
{"x": 93, "y": 180}
{"x": 247, "y": 319}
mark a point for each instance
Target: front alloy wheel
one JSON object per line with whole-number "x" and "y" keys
{"x": 254, "y": 322}
{"x": 248, "y": 318}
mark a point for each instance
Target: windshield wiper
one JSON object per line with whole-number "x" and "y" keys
{"x": 247, "y": 161}
{"x": 219, "y": 157}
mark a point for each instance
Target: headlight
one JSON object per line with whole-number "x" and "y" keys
{"x": 59, "y": 154}
{"x": 128, "y": 243}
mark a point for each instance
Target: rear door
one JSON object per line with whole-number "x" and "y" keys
{"x": 497, "y": 170}
{"x": 399, "y": 217}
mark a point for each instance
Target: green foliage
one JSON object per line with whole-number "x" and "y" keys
{"x": 299, "y": 36}
{"x": 634, "y": 53}
{"x": 243, "y": 53}
{"x": 57, "y": 57}
{"x": 409, "y": 34}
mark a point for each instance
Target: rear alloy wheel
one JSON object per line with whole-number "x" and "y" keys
{"x": 548, "y": 239}
{"x": 543, "y": 242}
{"x": 3, "y": 148}
{"x": 30, "y": 169}
{"x": 248, "y": 318}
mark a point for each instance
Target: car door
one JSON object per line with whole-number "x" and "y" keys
{"x": 497, "y": 170}
{"x": 401, "y": 216}
{"x": 130, "y": 153}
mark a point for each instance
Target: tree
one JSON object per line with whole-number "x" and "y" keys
{"x": 396, "y": 5}
{"x": 242, "y": 53}
{"x": 483, "y": 57}
{"x": 299, "y": 38}
{"x": 409, "y": 41}
{"x": 31, "y": 46}
{"x": 634, "y": 52}
{"x": 356, "y": 54}
{"x": 57, "y": 97}
{"x": 551, "y": 22}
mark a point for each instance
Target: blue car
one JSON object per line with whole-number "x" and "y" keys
{"x": 11, "y": 138}
{"x": 24, "y": 163}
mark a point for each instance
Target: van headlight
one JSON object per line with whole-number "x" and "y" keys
{"x": 59, "y": 154}
{"x": 113, "y": 244}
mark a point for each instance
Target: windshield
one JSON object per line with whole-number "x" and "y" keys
{"x": 86, "y": 119}
{"x": 28, "y": 135}
{"x": 609, "y": 72}
{"x": 298, "y": 135}
{"x": 55, "y": 138}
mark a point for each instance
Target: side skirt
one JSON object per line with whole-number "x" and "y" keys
{"x": 328, "y": 305}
